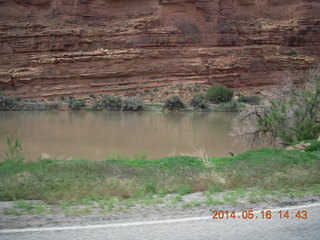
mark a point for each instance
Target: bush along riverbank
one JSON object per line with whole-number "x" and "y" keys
{"x": 215, "y": 98}
{"x": 19, "y": 104}
{"x": 254, "y": 176}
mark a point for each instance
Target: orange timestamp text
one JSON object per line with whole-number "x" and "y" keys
{"x": 264, "y": 214}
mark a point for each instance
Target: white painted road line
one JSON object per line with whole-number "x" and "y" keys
{"x": 116, "y": 225}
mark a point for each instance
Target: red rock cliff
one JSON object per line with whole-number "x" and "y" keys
{"x": 76, "y": 47}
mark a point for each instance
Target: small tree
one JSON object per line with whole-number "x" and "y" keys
{"x": 174, "y": 103}
{"x": 198, "y": 101}
{"x": 108, "y": 102}
{"x": 131, "y": 104}
{"x": 291, "y": 117}
{"x": 76, "y": 103}
{"x": 219, "y": 94}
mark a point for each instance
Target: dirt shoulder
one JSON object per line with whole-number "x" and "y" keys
{"x": 16, "y": 214}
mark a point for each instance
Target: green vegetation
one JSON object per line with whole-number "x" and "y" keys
{"x": 232, "y": 106}
{"x": 199, "y": 101}
{"x": 24, "y": 207}
{"x": 117, "y": 103}
{"x": 174, "y": 103}
{"x": 309, "y": 145}
{"x": 191, "y": 204}
{"x": 108, "y": 103}
{"x": 212, "y": 201}
{"x": 13, "y": 151}
{"x": 19, "y": 104}
{"x": 118, "y": 183}
{"x": 91, "y": 95}
{"x": 315, "y": 146}
{"x": 179, "y": 86}
{"x": 76, "y": 103}
{"x": 250, "y": 99}
{"x": 294, "y": 117}
{"x": 183, "y": 190}
{"x": 214, "y": 188}
{"x": 51, "y": 180}
{"x": 219, "y": 94}
{"x": 131, "y": 104}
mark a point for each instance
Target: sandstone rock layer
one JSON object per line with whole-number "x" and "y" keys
{"x": 75, "y": 47}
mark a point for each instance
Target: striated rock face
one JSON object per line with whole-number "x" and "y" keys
{"x": 75, "y": 47}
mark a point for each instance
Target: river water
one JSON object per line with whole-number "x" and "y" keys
{"x": 98, "y": 135}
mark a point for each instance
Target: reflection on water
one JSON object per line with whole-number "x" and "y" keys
{"x": 96, "y": 135}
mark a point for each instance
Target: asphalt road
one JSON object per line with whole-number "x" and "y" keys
{"x": 203, "y": 227}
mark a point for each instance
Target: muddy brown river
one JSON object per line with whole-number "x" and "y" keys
{"x": 98, "y": 135}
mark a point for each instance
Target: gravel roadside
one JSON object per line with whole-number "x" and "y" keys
{"x": 57, "y": 215}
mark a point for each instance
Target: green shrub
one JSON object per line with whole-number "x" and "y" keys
{"x": 315, "y": 146}
{"x": 131, "y": 104}
{"x": 76, "y": 104}
{"x": 174, "y": 103}
{"x": 250, "y": 99}
{"x": 108, "y": 102}
{"x": 294, "y": 117}
{"x": 194, "y": 88}
{"x": 184, "y": 189}
{"x": 91, "y": 95}
{"x": 13, "y": 104}
{"x": 6, "y": 103}
{"x": 112, "y": 103}
{"x": 151, "y": 187}
{"x": 219, "y": 94}
{"x": 199, "y": 102}
{"x": 117, "y": 103}
{"x": 214, "y": 188}
{"x": 179, "y": 86}
{"x": 232, "y": 106}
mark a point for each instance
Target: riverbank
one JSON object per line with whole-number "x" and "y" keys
{"x": 266, "y": 171}
{"x": 178, "y": 98}
{"x": 51, "y": 192}
{"x": 76, "y": 104}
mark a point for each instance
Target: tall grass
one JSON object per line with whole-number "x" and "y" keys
{"x": 13, "y": 151}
